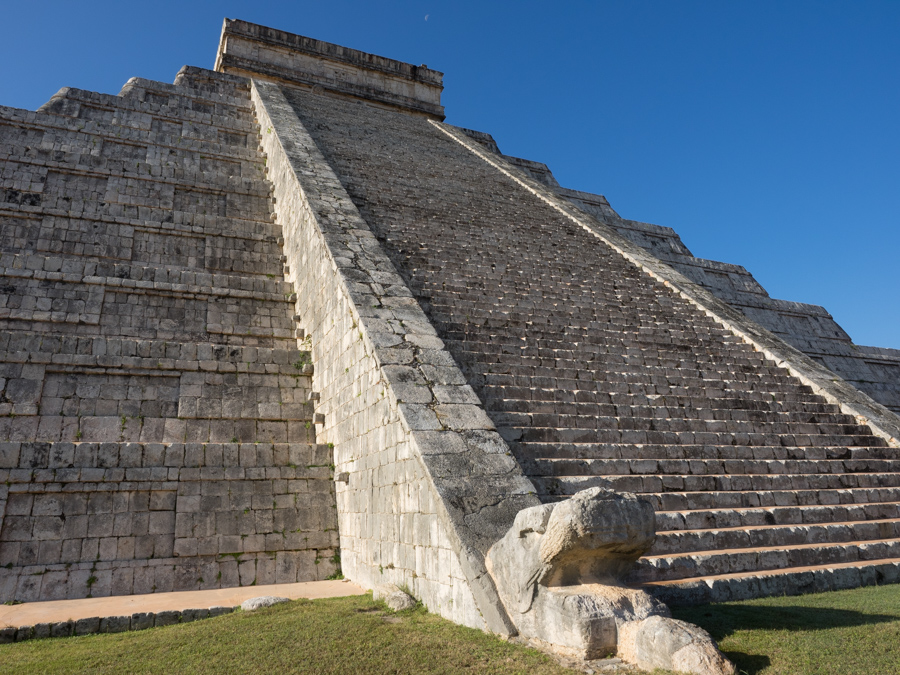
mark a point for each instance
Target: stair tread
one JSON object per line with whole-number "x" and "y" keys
{"x": 761, "y": 549}
{"x": 757, "y": 573}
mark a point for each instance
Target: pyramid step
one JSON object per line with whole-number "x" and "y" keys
{"x": 68, "y": 462}
{"x": 669, "y": 521}
{"x": 107, "y": 429}
{"x": 715, "y": 438}
{"x": 131, "y": 111}
{"x": 58, "y": 130}
{"x": 762, "y": 558}
{"x": 540, "y": 421}
{"x": 101, "y": 225}
{"x": 134, "y": 174}
{"x": 134, "y": 274}
{"x": 752, "y": 499}
{"x": 698, "y": 398}
{"x": 54, "y": 301}
{"x": 683, "y": 542}
{"x": 709, "y": 412}
{"x": 558, "y": 486}
{"x": 621, "y": 451}
{"x": 785, "y": 581}
{"x": 176, "y": 252}
{"x": 625, "y": 467}
{"x": 231, "y": 101}
{"x": 91, "y": 209}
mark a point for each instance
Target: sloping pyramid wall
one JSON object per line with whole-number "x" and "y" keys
{"x": 425, "y": 484}
{"x": 154, "y": 421}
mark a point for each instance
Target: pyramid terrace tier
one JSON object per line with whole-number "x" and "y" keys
{"x": 821, "y": 578}
{"x": 157, "y": 428}
{"x": 223, "y": 246}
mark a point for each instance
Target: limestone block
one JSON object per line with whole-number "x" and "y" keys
{"x": 669, "y": 644}
{"x": 167, "y": 618}
{"x": 262, "y": 601}
{"x": 395, "y": 598}
{"x": 87, "y": 626}
{"x": 142, "y": 620}
{"x": 62, "y": 629}
{"x": 115, "y": 624}
{"x": 189, "y": 615}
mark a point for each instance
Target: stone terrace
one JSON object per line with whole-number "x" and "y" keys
{"x": 597, "y": 374}
{"x": 155, "y": 419}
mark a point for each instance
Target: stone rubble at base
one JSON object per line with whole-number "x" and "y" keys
{"x": 262, "y": 601}
{"x": 272, "y": 322}
{"x": 396, "y": 599}
{"x": 109, "y": 624}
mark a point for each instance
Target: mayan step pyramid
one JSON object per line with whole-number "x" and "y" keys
{"x": 279, "y": 319}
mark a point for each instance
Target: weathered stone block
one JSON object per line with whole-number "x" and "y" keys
{"x": 665, "y": 643}
{"x": 167, "y": 618}
{"x": 115, "y": 624}
{"x": 142, "y": 620}
{"x": 62, "y": 629}
{"x": 87, "y": 626}
{"x": 189, "y": 615}
{"x": 42, "y": 630}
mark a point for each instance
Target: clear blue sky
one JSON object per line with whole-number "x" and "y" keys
{"x": 767, "y": 133}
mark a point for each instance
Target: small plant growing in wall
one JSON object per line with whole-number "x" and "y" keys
{"x": 336, "y": 561}
{"x": 90, "y": 582}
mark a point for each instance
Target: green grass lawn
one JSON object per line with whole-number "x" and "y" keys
{"x": 844, "y": 633}
{"x": 854, "y": 632}
{"x": 338, "y": 635}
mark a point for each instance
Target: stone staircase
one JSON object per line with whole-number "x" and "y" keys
{"x": 156, "y": 427}
{"x": 599, "y": 375}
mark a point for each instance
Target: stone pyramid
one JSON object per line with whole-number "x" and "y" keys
{"x": 278, "y": 320}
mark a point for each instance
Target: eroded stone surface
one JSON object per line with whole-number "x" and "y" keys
{"x": 395, "y": 598}
{"x": 663, "y": 642}
{"x": 262, "y": 601}
{"x": 147, "y": 347}
{"x": 559, "y": 570}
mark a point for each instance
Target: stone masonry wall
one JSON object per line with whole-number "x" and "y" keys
{"x": 425, "y": 484}
{"x": 155, "y": 433}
